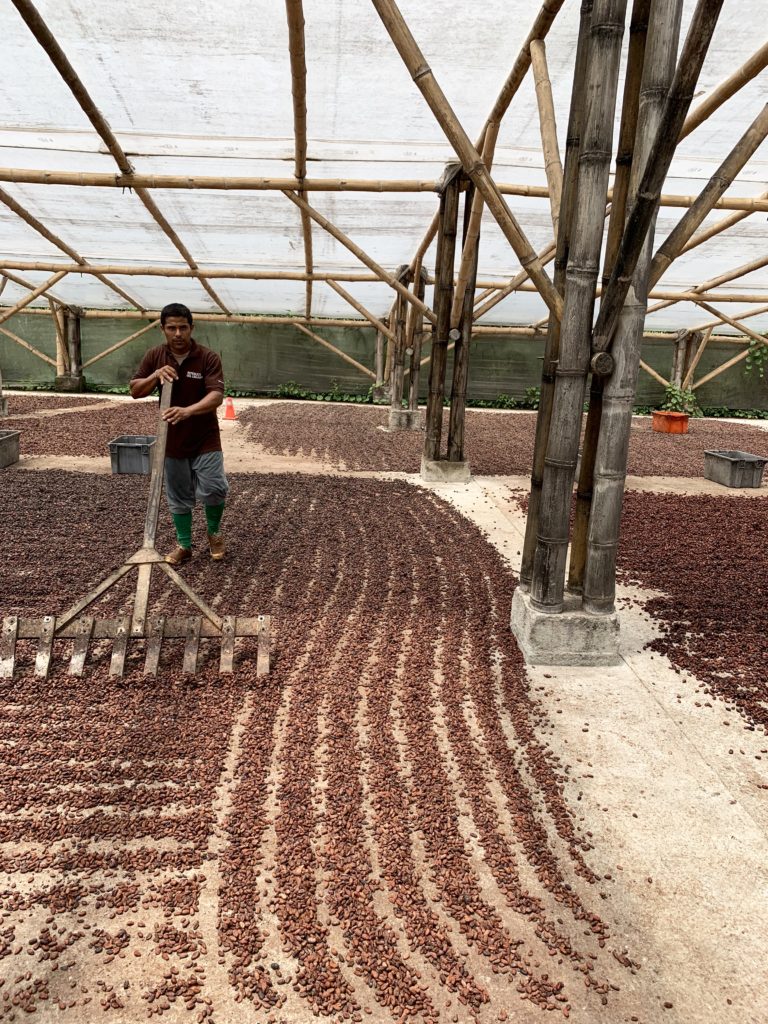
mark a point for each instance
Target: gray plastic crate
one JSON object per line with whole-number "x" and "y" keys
{"x": 9, "y": 447}
{"x": 734, "y": 469}
{"x": 132, "y": 453}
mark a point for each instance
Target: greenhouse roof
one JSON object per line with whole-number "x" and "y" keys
{"x": 215, "y": 91}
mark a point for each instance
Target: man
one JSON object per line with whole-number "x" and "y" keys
{"x": 194, "y": 463}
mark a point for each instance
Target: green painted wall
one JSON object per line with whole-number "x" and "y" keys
{"x": 260, "y": 358}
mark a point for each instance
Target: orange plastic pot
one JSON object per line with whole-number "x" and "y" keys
{"x": 670, "y": 422}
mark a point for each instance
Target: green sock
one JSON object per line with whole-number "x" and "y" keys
{"x": 183, "y": 523}
{"x": 213, "y": 514}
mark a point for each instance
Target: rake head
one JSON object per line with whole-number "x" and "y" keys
{"x": 192, "y": 629}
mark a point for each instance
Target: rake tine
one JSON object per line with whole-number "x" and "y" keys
{"x": 191, "y": 646}
{"x": 45, "y": 647}
{"x": 8, "y": 646}
{"x": 226, "y": 664}
{"x": 117, "y": 664}
{"x": 154, "y": 641}
{"x": 262, "y": 656}
{"x": 80, "y": 650}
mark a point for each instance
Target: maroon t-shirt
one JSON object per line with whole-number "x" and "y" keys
{"x": 199, "y": 373}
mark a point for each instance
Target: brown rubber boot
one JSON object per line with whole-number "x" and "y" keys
{"x": 217, "y": 546}
{"x": 178, "y": 556}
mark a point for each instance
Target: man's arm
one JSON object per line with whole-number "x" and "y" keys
{"x": 143, "y": 386}
{"x": 177, "y": 413}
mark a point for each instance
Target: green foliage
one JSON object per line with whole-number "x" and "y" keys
{"x": 677, "y": 399}
{"x": 293, "y": 390}
{"x": 723, "y": 412}
{"x": 757, "y": 359}
{"x": 502, "y": 401}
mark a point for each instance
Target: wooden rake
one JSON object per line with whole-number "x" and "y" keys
{"x": 73, "y": 625}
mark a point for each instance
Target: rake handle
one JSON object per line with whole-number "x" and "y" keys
{"x": 156, "y": 477}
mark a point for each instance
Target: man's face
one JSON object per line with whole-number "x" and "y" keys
{"x": 178, "y": 334}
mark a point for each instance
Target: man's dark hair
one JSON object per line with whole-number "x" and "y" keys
{"x": 175, "y": 309}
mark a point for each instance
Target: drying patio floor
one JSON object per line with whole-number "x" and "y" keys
{"x": 402, "y": 822}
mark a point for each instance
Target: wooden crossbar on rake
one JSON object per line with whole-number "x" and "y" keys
{"x": 139, "y": 625}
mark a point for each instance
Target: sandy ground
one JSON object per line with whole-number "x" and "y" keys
{"x": 679, "y": 825}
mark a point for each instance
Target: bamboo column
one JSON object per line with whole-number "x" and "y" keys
{"x": 398, "y": 353}
{"x": 552, "y": 345}
{"x": 619, "y": 388}
{"x": 649, "y": 189}
{"x": 443, "y": 297}
{"x": 457, "y": 417}
{"x": 295, "y": 14}
{"x": 606, "y": 31}
{"x": 414, "y": 340}
{"x": 638, "y": 32}
{"x": 379, "y": 360}
{"x": 756, "y": 63}
{"x": 72, "y": 321}
{"x": 723, "y": 177}
{"x": 62, "y": 355}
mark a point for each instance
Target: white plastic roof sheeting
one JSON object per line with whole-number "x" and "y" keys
{"x": 206, "y": 90}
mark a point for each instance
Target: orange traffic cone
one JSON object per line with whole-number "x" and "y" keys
{"x": 229, "y": 410}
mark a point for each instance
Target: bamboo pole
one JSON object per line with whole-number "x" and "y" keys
{"x": 732, "y": 323}
{"x": 723, "y": 177}
{"x": 552, "y": 345}
{"x": 62, "y": 359}
{"x": 22, "y": 303}
{"x": 606, "y": 31}
{"x": 643, "y": 209}
{"x": 414, "y": 339}
{"x": 719, "y": 370}
{"x": 399, "y": 319}
{"x": 362, "y": 256}
{"x": 30, "y": 285}
{"x": 471, "y": 243}
{"x": 457, "y": 416}
{"x": 49, "y": 236}
{"x": 697, "y": 358}
{"x": 638, "y": 31}
{"x": 332, "y": 348}
{"x": 120, "y": 344}
{"x": 610, "y": 468}
{"x": 471, "y": 161}
{"x": 653, "y": 373}
{"x": 58, "y": 58}
{"x": 713, "y": 282}
{"x": 443, "y": 299}
{"x": 28, "y": 347}
{"x": 758, "y": 311}
{"x": 546, "y": 255}
{"x": 299, "y": 93}
{"x": 373, "y": 320}
{"x": 146, "y": 270}
{"x": 756, "y": 63}
{"x": 553, "y": 167}
{"x": 719, "y": 227}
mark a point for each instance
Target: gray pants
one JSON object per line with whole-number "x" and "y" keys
{"x": 190, "y": 480}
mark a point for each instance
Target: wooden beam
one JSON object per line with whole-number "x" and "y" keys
{"x": 362, "y": 256}
{"x": 471, "y": 160}
{"x": 120, "y": 344}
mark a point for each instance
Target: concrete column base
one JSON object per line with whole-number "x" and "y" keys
{"x": 444, "y": 472}
{"x": 381, "y": 393}
{"x": 405, "y": 419}
{"x": 570, "y": 637}
{"x": 69, "y": 382}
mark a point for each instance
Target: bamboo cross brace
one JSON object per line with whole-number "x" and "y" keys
{"x": 723, "y": 177}
{"x": 27, "y": 346}
{"x": 649, "y": 188}
{"x": 120, "y": 344}
{"x": 732, "y": 323}
{"x": 374, "y": 321}
{"x": 553, "y": 167}
{"x": 656, "y": 376}
{"x": 720, "y": 369}
{"x": 756, "y": 63}
{"x": 471, "y": 160}
{"x": 338, "y": 351}
{"x": 362, "y": 256}
{"x": 705, "y": 286}
{"x": 22, "y": 303}
{"x": 697, "y": 358}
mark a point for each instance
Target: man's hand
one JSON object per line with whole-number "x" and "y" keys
{"x": 166, "y": 374}
{"x": 176, "y": 413}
